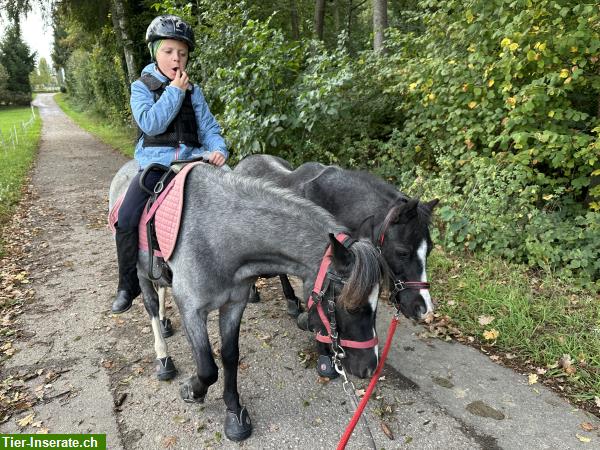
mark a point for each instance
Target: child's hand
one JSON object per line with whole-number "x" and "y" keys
{"x": 216, "y": 158}
{"x": 181, "y": 80}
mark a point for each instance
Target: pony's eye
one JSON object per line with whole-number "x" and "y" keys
{"x": 401, "y": 252}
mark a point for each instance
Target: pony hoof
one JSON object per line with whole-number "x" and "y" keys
{"x": 254, "y": 296}
{"x": 294, "y": 308}
{"x": 302, "y": 322}
{"x": 166, "y": 369}
{"x": 187, "y": 394}
{"x": 325, "y": 367}
{"x": 238, "y": 427}
{"x": 166, "y": 328}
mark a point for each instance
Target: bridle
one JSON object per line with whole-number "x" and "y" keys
{"x": 399, "y": 285}
{"x": 323, "y": 283}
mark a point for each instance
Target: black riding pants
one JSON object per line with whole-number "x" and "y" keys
{"x": 133, "y": 204}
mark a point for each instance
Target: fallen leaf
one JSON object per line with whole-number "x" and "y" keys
{"x": 533, "y": 378}
{"x": 485, "y": 320}
{"x": 108, "y": 364}
{"x": 323, "y": 380}
{"x": 567, "y": 364}
{"x": 586, "y": 426}
{"x": 597, "y": 400}
{"x": 43, "y": 431}
{"x": 359, "y": 392}
{"x": 386, "y": 430}
{"x": 169, "y": 442}
{"x": 23, "y": 422}
{"x": 491, "y": 335}
{"x": 180, "y": 419}
{"x": 583, "y": 438}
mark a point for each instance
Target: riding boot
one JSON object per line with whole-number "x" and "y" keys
{"x": 127, "y": 256}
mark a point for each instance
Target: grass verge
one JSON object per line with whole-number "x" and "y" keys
{"x": 16, "y": 160}
{"x": 531, "y": 322}
{"x": 119, "y": 137}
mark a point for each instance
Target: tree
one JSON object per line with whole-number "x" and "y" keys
{"x": 121, "y": 27}
{"x": 319, "y": 18}
{"x": 380, "y": 23}
{"x": 16, "y": 58}
{"x": 3, "y": 83}
{"x": 42, "y": 76}
{"x": 295, "y": 21}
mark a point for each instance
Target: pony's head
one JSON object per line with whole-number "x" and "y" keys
{"x": 405, "y": 243}
{"x": 348, "y": 306}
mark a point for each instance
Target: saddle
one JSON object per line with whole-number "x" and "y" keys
{"x": 160, "y": 221}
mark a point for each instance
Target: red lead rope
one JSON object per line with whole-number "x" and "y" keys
{"x": 369, "y": 391}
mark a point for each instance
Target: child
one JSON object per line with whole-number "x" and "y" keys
{"x": 175, "y": 123}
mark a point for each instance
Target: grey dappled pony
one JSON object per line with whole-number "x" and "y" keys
{"x": 359, "y": 200}
{"x": 233, "y": 229}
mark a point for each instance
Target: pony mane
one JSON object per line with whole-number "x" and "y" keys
{"x": 366, "y": 273}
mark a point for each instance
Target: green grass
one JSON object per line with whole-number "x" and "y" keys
{"x": 538, "y": 318}
{"x": 16, "y": 161}
{"x": 118, "y": 137}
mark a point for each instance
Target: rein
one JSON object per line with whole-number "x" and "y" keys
{"x": 399, "y": 286}
{"x": 363, "y": 402}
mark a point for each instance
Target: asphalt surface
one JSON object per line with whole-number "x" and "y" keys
{"x": 434, "y": 394}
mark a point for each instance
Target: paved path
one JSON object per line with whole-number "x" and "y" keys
{"x": 435, "y": 395}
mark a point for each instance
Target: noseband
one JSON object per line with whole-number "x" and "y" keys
{"x": 322, "y": 284}
{"x": 399, "y": 285}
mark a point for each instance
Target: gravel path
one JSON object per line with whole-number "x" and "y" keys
{"x": 94, "y": 372}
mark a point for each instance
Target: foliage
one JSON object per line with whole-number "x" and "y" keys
{"x": 16, "y": 58}
{"x": 96, "y": 80}
{"x": 496, "y": 104}
{"x": 42, "y": 77}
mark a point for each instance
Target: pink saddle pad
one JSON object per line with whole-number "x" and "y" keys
{"x": 167, "y": 215}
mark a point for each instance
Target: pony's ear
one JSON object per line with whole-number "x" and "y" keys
{"x": 341, "y": 256}
{"x": 430, "y": 205}
{"x": 367, "y": 228}
{"x": 407, "y": 212}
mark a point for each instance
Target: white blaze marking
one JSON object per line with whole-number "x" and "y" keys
{"x": 373, "y": 299}
{"x": 422, "y": 254}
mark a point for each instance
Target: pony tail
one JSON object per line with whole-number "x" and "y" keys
{"x": 366, "y": 273}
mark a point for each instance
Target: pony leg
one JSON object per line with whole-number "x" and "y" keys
{"x": 166, "y": 369}
{"x": 254, "y": 296}
{"x": 238, "y": 425}
{"x": 166, "y": 328}
{"x": 194, "y": 389}
{"x": 294, "y": 305}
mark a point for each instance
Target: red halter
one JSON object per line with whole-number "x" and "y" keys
{"x": 318, "y": 292}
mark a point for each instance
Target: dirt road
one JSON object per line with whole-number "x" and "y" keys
{"x": 92, "y": 372}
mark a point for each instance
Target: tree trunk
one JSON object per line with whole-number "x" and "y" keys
{"x": 120, "y": 24}
{"x": 319, "y": 18}
{"x": 336, "y": 16}
{"x": 380, "y": 23}
{"x": 295, "y": 19}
